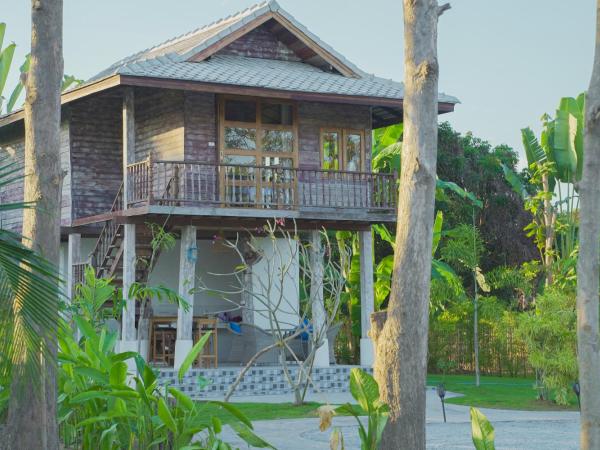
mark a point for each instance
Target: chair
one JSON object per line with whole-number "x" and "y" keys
{"x": 163, "y": 342}
{"x": 208, "y": 355}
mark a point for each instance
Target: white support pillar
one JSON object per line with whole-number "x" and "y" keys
{"x": 316, "y": 294}
{"x": 73, "y": 257}
{"x": 367, "y": 301}
{"x": 129, "y": 341}
{"x": 187, "y": 277}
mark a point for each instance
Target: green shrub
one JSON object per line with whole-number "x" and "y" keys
{"x": 550, "y": 335}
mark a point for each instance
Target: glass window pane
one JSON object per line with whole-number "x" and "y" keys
{"x": 353, "y": 152}
{"x": 282, "y": 169}
{"x": 240, "y": 138}
{"x": 277, "y": 141}
{"x": 276, "y": 114}
{"x": 331, "y": 150}
{"x": 240, "y": 110}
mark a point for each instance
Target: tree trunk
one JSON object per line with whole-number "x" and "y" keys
{"x": 32, "y": 409}
{"x": 588, "y": 265}
{"x": 401, "y": 356}
{"x": 549, "y": 220}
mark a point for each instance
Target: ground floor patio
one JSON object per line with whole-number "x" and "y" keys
{"x": 243, "y": 311}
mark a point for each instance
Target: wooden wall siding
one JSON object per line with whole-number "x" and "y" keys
{"x": 159, "y": 124}
{"x": 260, "y": 43}
{"x": 314, "y": 116}
{"x": 96, "y": 149}
{"x": 200, "y": 127}
{"x": 13, "y": 192}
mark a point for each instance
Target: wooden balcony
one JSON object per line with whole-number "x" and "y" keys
{"x": 262, "y": 191}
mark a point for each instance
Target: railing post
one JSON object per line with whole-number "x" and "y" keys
{"x": 150, "y": 179}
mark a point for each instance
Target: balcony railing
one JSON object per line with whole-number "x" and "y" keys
{"x": 189, "y": 183}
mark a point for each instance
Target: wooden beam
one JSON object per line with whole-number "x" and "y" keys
{"x": 334, "y": 61}
{"x": 128, "y": 139}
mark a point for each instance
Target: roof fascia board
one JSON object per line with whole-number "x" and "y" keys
{"x": 67, "y": 97}
{"x": 228, "y": 39}
{"x": 217, "y": 88}
{"x": 288, "y": 25}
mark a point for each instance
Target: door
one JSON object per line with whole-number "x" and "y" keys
{"x": 258, "y": 152}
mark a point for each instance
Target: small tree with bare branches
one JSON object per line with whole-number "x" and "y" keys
{"x": 298, "y": 324}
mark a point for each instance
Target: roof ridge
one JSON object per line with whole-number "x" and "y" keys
{"x": 230, "y": 18}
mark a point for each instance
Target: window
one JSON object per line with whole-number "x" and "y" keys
{"x": 257, "y": 132}
{"x": 342, "y": 149}
{"x": 257, "y": 127}
{"x": 331, "y": 150}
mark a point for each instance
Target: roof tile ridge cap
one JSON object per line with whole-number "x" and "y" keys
{"x": 236, "y": 24}
{"x": 322, "y": 43}
{"x": 181, "y": 37}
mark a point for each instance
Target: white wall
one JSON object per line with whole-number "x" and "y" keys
{"x": 212, "y": 258}
{"x": 280, "y": 264}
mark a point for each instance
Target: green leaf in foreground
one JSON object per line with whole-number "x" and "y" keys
{"x": 482, "y": 431}
{"x": 192, "y": 355}
{"x": 244, "y": 432}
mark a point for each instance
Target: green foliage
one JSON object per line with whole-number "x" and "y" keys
{"x": 365, "y": 391}
{"x": 102, "y": 404}
{"x": 482, "y": 431}
{"x": 551, "y": 339}
{"x": 29, "y": 295}
{"x": 463, "y": 247}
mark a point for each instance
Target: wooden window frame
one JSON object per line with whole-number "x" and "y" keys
{"x": 259, "y": 127}
{"x": 258, "y": 154}
{"x": 342, "y": 134}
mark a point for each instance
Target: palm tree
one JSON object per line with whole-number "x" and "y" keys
{"x": 27, "y": 283}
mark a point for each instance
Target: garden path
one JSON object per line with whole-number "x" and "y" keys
{"x": 515, "y": 430}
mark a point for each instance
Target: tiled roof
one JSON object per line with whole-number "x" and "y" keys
{"x": 169, "y": 60}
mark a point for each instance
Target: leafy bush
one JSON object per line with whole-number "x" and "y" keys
{"x": 551, "y": 339}
{"x": 101, "y": 403}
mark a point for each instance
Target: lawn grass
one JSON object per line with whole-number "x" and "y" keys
{"x": 494, "y": 392}
{"x": 268, "y": 411}
{"x": 497, "y": 392}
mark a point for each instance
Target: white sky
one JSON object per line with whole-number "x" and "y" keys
{"x": 508, "y": 61}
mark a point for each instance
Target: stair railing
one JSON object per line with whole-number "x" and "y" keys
{"x": 107, "y": 236}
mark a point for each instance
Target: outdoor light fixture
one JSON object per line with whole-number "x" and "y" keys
{"x": 577, "y": 391}
{"x": 441, "y": 391}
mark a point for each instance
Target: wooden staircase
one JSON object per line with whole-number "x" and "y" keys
{"x": 107, "y": 256}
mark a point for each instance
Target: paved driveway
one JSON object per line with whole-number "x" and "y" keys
{"x": 514, "y": 429}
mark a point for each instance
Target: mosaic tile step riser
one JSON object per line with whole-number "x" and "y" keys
{"x": 257, "y": 381}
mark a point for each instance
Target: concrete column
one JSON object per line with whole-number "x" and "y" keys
{"x": 128, "y": 139}
{"x": 247, "y": 297}
{"x": 316, "y": 294}
{"x": 367, "y": 300}
{"x": 73, "y": 257}
{"x": 187, "y": 277}
{"x": 129, "y": 341}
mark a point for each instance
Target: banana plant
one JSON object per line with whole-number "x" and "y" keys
{"x": 482, "y": 431}
{"x": 365, "y": 391}
{"x": 6, "y": 58}
{"x": 555, "y": 163}
{"x": 103, "y": 404}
